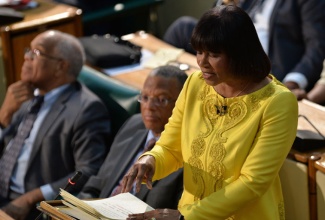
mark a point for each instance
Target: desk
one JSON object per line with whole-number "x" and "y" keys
{"x": 17, "y": 36}
{"x": 299, "y": 183}
{"x": 316, "y": 115}
{"x": 4, "y": 216}
{"x": 153, "y": 44}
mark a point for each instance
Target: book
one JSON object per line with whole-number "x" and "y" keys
{"x": 113, "y": 208}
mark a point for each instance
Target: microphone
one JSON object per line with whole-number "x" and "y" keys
{"x": 72, "y": 181}
{"x": 221, "y": 110}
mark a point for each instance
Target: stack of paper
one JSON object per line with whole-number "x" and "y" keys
{"x": 116, "y": 207}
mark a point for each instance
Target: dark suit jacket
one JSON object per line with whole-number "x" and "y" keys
{"x": 297, "y": 38}
{"x": 130, "y": 138}
{"x": 74, "y": 136}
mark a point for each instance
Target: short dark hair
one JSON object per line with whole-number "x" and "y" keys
{"x": 169, "y": 71}
{"x": 229, "y": 30}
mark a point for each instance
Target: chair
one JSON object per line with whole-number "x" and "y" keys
{"x": 294, "y": 181}
{"x": 320, "y": 187}
{"x": 120, "y": 99}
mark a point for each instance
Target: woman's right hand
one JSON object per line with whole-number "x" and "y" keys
{"x": 142, "y": 171}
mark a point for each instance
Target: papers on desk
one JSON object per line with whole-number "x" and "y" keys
{"x": 162, "y": 57}
{"x": 148, "y": 60}
{"x": 116, "y": 207}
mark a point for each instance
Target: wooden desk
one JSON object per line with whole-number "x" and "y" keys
{"x": 316, "y": 115}
{"x": 4, "y": 216}
{"x": 153, "y": 44}
{"x": 17, "y": 36}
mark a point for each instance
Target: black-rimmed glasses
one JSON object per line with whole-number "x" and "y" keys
{"x": 160, "y": 102}
{"x": 32, "y": 53}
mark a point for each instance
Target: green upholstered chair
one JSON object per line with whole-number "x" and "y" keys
{"x": 120, "y": 99}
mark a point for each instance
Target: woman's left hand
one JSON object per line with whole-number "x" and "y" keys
{"x": 142, "y": 171}
{"x": 157, "y": 214}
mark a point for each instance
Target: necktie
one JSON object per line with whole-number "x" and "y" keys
{"x": 9, "y": 157}
{"x": 149, "y": 145}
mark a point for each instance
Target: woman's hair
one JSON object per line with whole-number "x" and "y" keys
{"x": 229, "y": 30}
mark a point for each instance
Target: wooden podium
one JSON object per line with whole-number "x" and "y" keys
{"x": 17, "y": 36}
{"x": 49, "y": 209}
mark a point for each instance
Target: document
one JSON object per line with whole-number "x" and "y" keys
{"x": 112, "y": 208}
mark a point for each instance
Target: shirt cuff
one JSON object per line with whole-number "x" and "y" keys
{"x": 48, "y": 192}
{"x": 298, "y": 78}
{"x": 1, "y": 133}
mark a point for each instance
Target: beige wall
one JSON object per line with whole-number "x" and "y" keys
{"x": 172, "y": 9}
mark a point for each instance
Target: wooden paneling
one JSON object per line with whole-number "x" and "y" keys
{"x": 17, "y": 36}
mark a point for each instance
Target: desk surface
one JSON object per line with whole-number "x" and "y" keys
{"x": 47, "y": 11}
{"x": 316, "y": 115}
{"x": 17, "y": 36}
{"x": 4, "y": 216}
{"x": 153, "y": 44}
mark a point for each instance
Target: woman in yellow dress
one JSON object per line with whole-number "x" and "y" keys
{"x": 231, "y": 129}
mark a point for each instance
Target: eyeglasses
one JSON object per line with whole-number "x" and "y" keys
{"x": 159, "y": 102}
{"x": 36, "y": 53}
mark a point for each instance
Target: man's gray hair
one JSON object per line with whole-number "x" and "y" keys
{"x": 68, "y": 48}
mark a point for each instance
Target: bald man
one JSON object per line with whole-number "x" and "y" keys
{"x": 71, "y": 131}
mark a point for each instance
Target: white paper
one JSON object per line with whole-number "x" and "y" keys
{"x": 119, "y": 206}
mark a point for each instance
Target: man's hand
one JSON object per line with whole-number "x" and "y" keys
{"x": 291, "y": 85}
{"x": 17, "y": 93}
{"x": 20, "y": 207}
{"x": 157, "y": 214}
{"x": 299, "y": 93}
{"x": 142, "y": 171}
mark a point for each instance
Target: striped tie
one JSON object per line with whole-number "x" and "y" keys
{"x": 9, "y": 157}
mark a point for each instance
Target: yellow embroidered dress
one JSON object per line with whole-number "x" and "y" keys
{"x": 230, "y": 161}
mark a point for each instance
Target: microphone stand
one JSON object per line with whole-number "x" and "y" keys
{"x": 72, "y": 181}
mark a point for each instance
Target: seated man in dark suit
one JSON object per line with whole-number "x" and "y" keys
{"x": 42, "y": 144}
{"x": 157, "y": 99}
